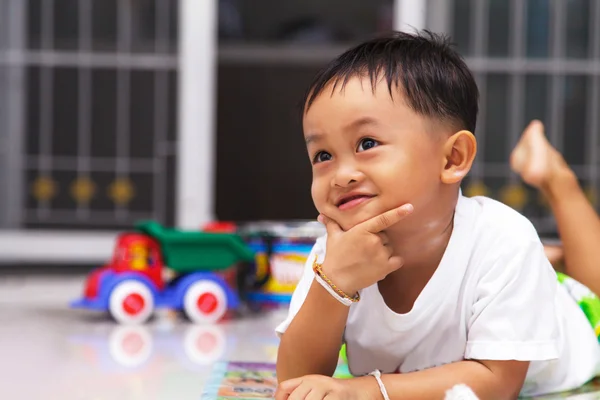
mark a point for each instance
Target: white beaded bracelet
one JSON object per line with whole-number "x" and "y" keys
{"x": 346, "y": 302}
{"x": 377, "y": 375}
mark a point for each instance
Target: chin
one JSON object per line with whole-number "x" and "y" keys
{"x": 350, "y": 218}
{"x": 350, "y": 221}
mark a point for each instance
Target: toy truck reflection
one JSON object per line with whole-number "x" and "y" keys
{"x": 133, "y": 284}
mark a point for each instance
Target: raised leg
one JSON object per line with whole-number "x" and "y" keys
{"x": 542, "y": 166}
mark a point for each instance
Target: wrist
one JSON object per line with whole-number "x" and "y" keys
{"x": 345, "y": 284}
{"x": 367, "y": 386}
{"x": 337, "y": 293}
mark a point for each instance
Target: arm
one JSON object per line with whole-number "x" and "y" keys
{"x": 312, "y": 342}
{"x": 487, "y": 379}
{"x": 355, "y": 259}
{"x": 495, "y": 380}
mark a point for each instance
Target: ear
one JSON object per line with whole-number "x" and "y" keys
{"x": 459, "y": 152}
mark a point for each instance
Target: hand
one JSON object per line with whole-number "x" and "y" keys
{"x": 319, "y": 387}
{"x": 360, "y": 257}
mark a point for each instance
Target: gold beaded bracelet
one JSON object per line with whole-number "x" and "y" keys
{"x": 318, "y": 270}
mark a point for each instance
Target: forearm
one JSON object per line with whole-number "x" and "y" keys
{"x": 312, "y": 342}
{"x": 433, "y": 383}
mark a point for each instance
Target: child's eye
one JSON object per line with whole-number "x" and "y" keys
{"x": 321, "y": 157}
{"x": 366, "y": 144}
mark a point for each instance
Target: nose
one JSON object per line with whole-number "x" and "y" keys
{"x": 346, "y": 175}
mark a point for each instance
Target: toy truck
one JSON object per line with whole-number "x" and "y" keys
{"x": 136, "y": 281}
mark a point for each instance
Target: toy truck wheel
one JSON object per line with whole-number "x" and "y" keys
{"x": 205, "y": 302}
{"x": 131, "y": 302}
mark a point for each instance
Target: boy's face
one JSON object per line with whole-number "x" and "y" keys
{"x": 370, "y": 153}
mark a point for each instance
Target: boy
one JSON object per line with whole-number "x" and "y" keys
{"x": 427, "y": 288}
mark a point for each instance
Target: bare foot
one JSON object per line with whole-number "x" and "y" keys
{"x": 534, "y": 158}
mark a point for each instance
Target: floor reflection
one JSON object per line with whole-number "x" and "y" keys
{"x": 49, "y": 351}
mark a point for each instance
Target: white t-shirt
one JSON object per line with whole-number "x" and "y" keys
{"x": 494, "y": 296}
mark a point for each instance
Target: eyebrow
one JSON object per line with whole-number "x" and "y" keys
{"x": 360, "y": 123}
{"x": 316, "y": 137}
{"x": 313, "y": 138}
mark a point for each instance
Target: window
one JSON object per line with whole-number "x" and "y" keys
{"x": 533, "y": 59}
{"x": 97, "y": 121}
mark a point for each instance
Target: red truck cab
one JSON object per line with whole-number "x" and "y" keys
{"x": 133, "y": 252}
{"x": 139, "y": 253}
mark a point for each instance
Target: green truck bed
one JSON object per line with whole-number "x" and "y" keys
{"x": 190, "y": 251}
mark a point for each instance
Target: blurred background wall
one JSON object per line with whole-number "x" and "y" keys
{"x": 97, "y": 100}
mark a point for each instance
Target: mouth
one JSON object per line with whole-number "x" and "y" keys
{"x": 351, "y": 201}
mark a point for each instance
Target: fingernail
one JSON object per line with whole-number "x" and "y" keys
{"x": 408, "y": 207}
{"x": 320, "y": 218}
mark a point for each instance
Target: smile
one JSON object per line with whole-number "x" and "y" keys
{"x": 353, "y": 201}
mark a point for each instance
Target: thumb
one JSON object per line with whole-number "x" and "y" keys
{"x": 332, "y": 227}
{"x": 284, "y": 389}
{"x": 394, "y": 263}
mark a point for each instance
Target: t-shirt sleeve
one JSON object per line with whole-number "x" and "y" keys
{"x": 514, "y": 313}
{"x": 303, "y": 285}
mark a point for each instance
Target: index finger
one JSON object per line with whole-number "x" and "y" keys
{"x": 387, "y": 219}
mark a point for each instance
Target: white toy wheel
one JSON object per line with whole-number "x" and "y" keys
{"x": 205, "y": 302}
{"x": 131, "y": 302}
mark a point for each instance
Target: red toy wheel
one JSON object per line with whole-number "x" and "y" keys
{"x": 131, "y": 302}
{"x": 205, "y": 302}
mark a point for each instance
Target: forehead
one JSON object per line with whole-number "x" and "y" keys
{"x": 356, "y": 100}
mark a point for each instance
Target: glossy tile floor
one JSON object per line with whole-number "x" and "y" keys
{"x": 48, "y": 351}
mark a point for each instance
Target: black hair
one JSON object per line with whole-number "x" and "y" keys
{"x": 433, "y": 77}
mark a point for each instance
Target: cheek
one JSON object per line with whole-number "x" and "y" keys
{"x": 404, "y": 180}
{"x": 318, "y": 194}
